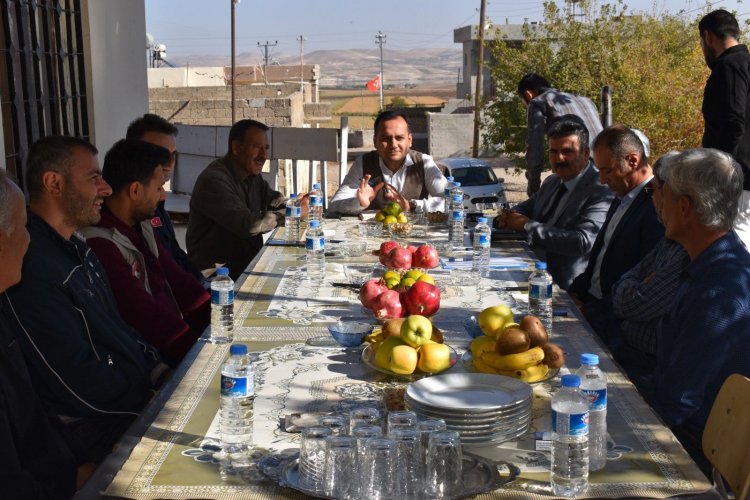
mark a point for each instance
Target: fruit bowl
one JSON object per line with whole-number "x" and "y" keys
{"x": 368, "y": 358}
{"x": 400, "y": 229}
{"x": 349, "y": 333}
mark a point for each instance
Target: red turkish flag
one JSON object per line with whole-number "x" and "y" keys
{"x": 374, "y": 84}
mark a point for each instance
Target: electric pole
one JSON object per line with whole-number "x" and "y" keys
{"x": 234, "y": 69}
{"x": 301, "y": 39}
{"x": 479, "y": 92}
{"x": 380, "y": 40}
{"x": 265, "y": 51}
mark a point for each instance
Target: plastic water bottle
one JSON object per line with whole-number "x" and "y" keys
{"x": 236, "y": 410}
{"x": 482, "y": 238}
{"x": 291, "y": 222}
{"x": 457, "y": 196}
{"x": 315, "y": 245}
{"x": 447, "y": 195}
{"x": 456, "y": 224}
{"x": 594, "y": 387}
{"x": 540, "y": 295}
{"x": 316, "y": 203}
{"x": 222, "y": 307}
{"x": 570, "y": 442}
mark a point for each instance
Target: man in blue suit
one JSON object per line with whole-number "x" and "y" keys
{"x": 631, "y": 230}
{"x": 563, "y": 218}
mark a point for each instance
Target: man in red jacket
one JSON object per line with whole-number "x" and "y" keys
{"x": 166, "y": 304}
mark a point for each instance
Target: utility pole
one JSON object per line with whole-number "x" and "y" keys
{"x": 380, "y": 40}
{"x": 479, "y": 92}
{"x": 301, "y": 39}
{"x": 265, "y": 51}
{"x": 232, "y": 77}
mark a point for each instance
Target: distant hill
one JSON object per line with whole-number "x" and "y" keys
{"x": 355, "y": 66}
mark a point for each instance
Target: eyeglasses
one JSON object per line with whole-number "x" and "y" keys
{"x": 173, "y": 156}
{"x": 651, "y": 188}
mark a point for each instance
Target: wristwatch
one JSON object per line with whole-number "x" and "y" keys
{"x": 412, "y": 205}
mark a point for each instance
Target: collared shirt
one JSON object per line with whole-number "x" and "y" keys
{"x": 645, "y": 294}
{"x": 625, "y": 202}
{"x": 345, "y": 200}
{"x": 705, "y": 337}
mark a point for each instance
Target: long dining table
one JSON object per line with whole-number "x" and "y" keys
{"x": 282, "y": 316}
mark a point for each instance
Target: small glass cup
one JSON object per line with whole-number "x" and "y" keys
{"x": 340, "y": 467}
{"x": 312, "y": 458}
{"x": 357, "y": 274}
{"x": 362, "y": 228}
{"x": 409, "y": 480}
{"x": 378, "y": 471}
{"x": 365, "y": 416}
{"x": 426, "y": 428}
{"x": 398, "y": 419}
{"x": 337, "y": 423}
{"x": 443, "y": 474}
{"x": 362, "y": 434}
{"x": 374, "y": 229}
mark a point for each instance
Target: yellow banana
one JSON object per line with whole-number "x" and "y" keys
{"x": 482, "y": 367}
{"x": 533, "y": 373}
{"x": 518, "y": 361}
{"x": 481, "y": 344}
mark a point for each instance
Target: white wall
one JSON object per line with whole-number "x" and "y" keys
{"x": 114, "y": 34}
{"x": 199, "y": 76}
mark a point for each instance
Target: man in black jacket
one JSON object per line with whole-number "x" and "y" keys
{"x": 726, "y": 107}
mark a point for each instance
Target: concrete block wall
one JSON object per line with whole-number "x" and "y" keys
{"x": 449, "y": 134}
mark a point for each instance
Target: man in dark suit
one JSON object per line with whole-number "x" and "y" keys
{"x": 631, "y": 230}
{"x": 564, "y": 216}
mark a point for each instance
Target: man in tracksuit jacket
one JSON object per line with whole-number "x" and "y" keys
{"x": 85, "y": 362}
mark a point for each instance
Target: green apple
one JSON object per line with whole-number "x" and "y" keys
{"x": 433, "y": 357}
{"x": 416, "y": 330}
{"x": 392, "y": 208}
{"x": 407, "y": 282}
{"x": 427, "y": 279}
{"x": 493, "y": 320}
{"x": 390, "y": 219}
{"x": 379, "y": 217}
{"x": 401, "y": 218}
{"x": 392, "y": 283}
{"x": 413, "y": 274}
{"x": 392, "y": 275}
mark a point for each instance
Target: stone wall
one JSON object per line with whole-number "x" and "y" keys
{"x": 450, "y": 134}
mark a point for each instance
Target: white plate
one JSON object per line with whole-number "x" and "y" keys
{"x": 471, "y": 392}
{"x": 504, "y": 414}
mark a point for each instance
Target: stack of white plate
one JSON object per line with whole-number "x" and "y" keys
{"x": 482, "y": 408}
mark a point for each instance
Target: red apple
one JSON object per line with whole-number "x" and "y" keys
{"x": 426, "y": 257}
{"x": 399, "y": 258}
{"x": 370, "y": 290}
{"x": 388, "y": 305}
{"x": 385, "y": 249}
{"x": 422, "y": 298}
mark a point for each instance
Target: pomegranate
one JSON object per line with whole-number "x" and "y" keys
{"x": 388, "y": 305}
{"x": 370, "y": 290}
{"x": 399, "y": 258}
{"x": 385, "y": 249}
{"x": 412, "y": 249}
{"x": 422, "y": 298}
{"x": 426, "y": 257}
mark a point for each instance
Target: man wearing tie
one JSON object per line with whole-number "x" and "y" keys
{"x": 631, "y": 230}
{"x": 563, "y": 218}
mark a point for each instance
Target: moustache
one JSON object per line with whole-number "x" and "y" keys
{"x": 562, "y": 164}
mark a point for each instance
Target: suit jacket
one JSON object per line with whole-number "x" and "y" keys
{"x": 637, "y": 234}
{"x": 565, "y": 241}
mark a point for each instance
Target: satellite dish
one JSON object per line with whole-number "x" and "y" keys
{"x": 149, "y": 41}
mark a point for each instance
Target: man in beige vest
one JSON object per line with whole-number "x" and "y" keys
{"x": 393, "y": 172}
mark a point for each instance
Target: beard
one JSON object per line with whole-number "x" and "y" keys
{"x": 81, "y": 211}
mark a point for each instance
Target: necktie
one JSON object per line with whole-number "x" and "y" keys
{"x": 552, "y": 207}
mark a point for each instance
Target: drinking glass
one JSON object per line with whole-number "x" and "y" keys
{"x": 444, "y": 460}
{"x": 378, "y": 470}
{"x": 359, "y": 417}
{"x": 362, "y": 227}
{"x": 427, "y": 427}
{"x": 341, "y": 454}
{"x": 409, "y": 480}
{"x": 337, "y": 423}
{"x": 362, "y": 434}
{"x": 406, "y": 419}
{"x": 312, "y": 458}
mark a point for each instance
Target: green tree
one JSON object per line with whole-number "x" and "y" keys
{"x": 397, "y": 102}
{"x": 653, "y": 64}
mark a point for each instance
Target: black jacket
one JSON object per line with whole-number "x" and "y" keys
{"x": 726, "y": 107}
{"x": 84, "y": 360}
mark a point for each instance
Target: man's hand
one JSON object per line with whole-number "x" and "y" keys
{"x": 367, "y": 193}
{"x": 511, "y": 220}
{"x": 391, "y": 193}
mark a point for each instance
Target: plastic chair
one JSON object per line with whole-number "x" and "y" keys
{"x": 726, "y": 437}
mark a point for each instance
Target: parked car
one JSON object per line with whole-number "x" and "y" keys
{"x": 478, "y": 180}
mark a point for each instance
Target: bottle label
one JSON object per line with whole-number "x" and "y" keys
{"x": 457, "y": 198}
{"x": 289, "y": 211}
{"x": 315, "y": 243}
{"x": 457, "y": 215}
{"x": 483, "y": 240}
{"x": 570, "y": 424}
{"x": 540, "y": 292}
{"x": 298, "y": 212}
{"x": 222, "y": 297}
{"x": 237, "y": 387}
{"x": 597, "y": 398}
{"x": 316, "y": 201}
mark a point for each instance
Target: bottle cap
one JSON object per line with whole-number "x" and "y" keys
{"x": 567, "y": 380}
{"x": 238, "y": 349}
{"x": 316, "y": 185}
{"x": 457, "y": 184}
{"x": 589, "y": 359}
{"x": 222, "y": 271}
{"x": 314, "y": 224}
{"x": 482, "y": 220}
{"x": 541, "y": 265}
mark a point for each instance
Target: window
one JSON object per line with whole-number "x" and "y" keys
{"x": 42, "y": 75}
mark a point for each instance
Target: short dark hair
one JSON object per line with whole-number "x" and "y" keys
{"x": 237, "y": 132}
{"x": 565, "y": 128}
{"x": 620, "y": 141}
{"x": 149, "y": 123}
{"x": 388, "y": 115}
{"x": 534, "y": 82}
{"x": 132, "y": 160}
{"x": 721, "y": 23}
{"x": 54, "y": 152}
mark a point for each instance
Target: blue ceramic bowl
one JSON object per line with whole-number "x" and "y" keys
{"x": 349, "y": 333}
{"x": 472, "y": 327}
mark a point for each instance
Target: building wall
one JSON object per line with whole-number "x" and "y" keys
{"x": 115, "y": 40}
{"x": 198, "y": 76}
{"x": 449, "y": 135}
